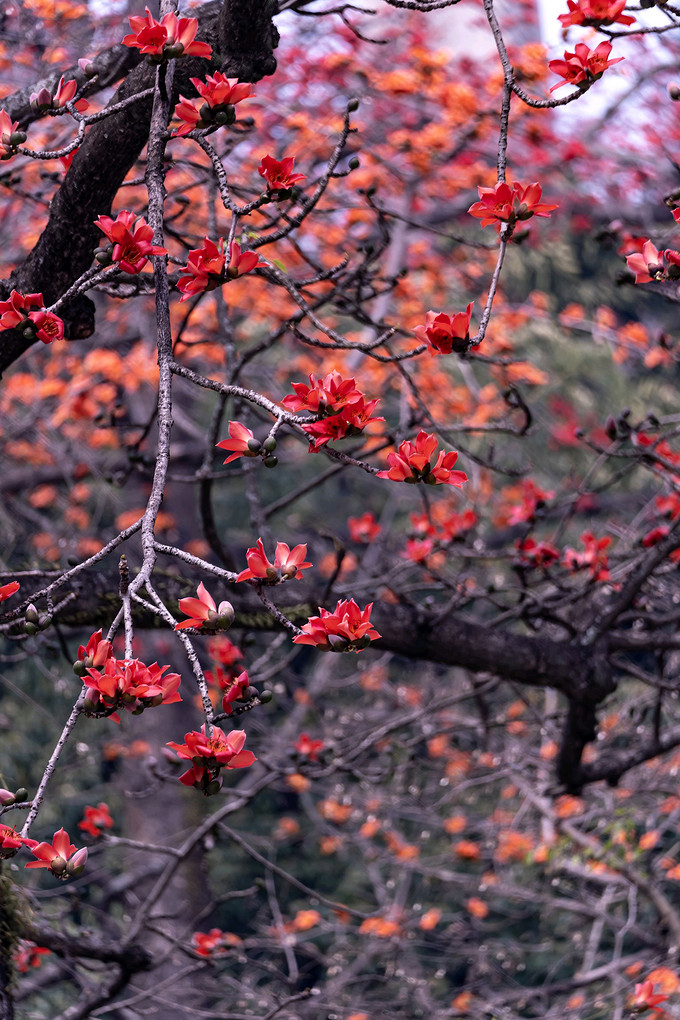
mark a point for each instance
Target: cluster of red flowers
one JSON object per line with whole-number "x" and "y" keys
{"x": 505, "y": 204}
{"x": 210, "y": 754}
{"x": 306, "y": 747}
{"x": 412, "y": 463}
{"x": 235, "y": 689}
{"x": 595, "y": 13}
{"x": 96, "y": 819}
{"x": 363, "y": 529}
{"x": 342, "y": 408}
{"x": 131, "y": 240}
{"x": 11, "y": 841}
{"x": 593, "y": 558}
{"x": 583, "y": 66}
{"x": 347, "y": 628}
{"x": 27, "y": 313}
{"x": 214, "y": 942}
{"x": 28, "y": 955}
{"x": 220, "y": 95}
{"x": 208, "y": 267}
{"x": 445, "y": 333}
{"x": 279, "y": 174}
{"x": 651, "y": 264}
{"x": 537, "y": 554}
{"x": 287, "y": 564}
{"x": 203, "y": 610}
{"x": 129, "y": 684}
{"x": 169, "y": 37}
{"x": 429, "y": 534}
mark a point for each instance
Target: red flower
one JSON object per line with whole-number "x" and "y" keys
{"x": 26, "y": 312}
{"x": 584, "y": 66}
{"x": 96, "y": 819}
{"x": 11, "y": 841}
{"x": 129, "y": 684}
{"x": 203, "y": 610}
{"x": 278, "y": 173}
{"x": 42, "y": 101}
{"x": 242, "y": 441}
{"x": 364, "y": 528}
{"x": 10, "y": 135}
{"x": 220, "y": 95}
{"x": 346, "y": 628}
{"x": 60, "y": 856}
{"x": 322, "y": 396}
{"x": 131, "y": 238}
{"x": 445, "y": 333}
{"x": 94, "y": 653}
{"x": 205, "y": 267}
{"x": 412, "y": 463}
{"x": 350, "y": 421}
{"x": 507, "y": 205}
{"x": 210, "y": 754}
{"x": 213, "y": 944}
{"x": 169, "y": 37}
{"x": 595, "y": 13}
{"x": 652, "y": 264}
{"x": 593, "y": 557}
{"x": 287, "y": 564}
{"x": 28, "y": 955}
{"x": 307, "y": 747}
{"x": 7, "y": 590}
{"x": 644, "y": 997}
{"x": 235, "y": 690}
{"x": 242, "y": 262}
{"x": 537, "y": 554}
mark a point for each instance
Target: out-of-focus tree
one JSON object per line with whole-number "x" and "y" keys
{"x": 363, "y": 352}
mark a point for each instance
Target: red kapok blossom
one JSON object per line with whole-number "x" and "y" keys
{"x": 350, "y": 421}
{"x": 323, "y": 396}
{"x": 652, "y": 264}
{"x": 26, "y": 312}
{"x": 129, "y": 684}
{"x": 7, "y": 590}
{"x": 132, "y": 239}
{"x": 412, "y": 463}
{"x": 644, "y": 997}
{"x": 446, "y": 333}
{"x": 537, "y": 554}
{"x": 205, "y": 267}
{"x": 503, "y": 204}
{"x": 11, "y": 841}
{"x": 94, "y": 653}
{"x": 60, "y": 856}
{"x": 242, "y": 441}
{"x": 593, "y": 557}
{"x": 308, "y": 748}
{"x": 583, "y": 66}
{"x": 203, "y": 610}
{"x": 215, "y": 943}
{"x": 287, "y": 564}
{"x": 235, "y": 690}
{"x": 42, "y": 101}
{"x": 169, "y": 37}
{"x": 278, "y": 173}
{"x": 347, "y": 628}
{"x": 96, "y": 819}
{"x": 220, "y": 95}
{"x": 595, "y": 13}
{"x": 212, "y": 753}
{"x": 10, "y": 135}
{"x": 364, "y": 528}
{"x": 28, "y": 955}
{"x": 242, "y": 262}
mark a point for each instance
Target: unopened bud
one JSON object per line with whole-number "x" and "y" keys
{"x": 337, "y": 643}
{"x": 354, "y": 163}
{"x": 254, "y": 445}
{"x": 673, "y": 91}
{"x": 21, "y": 794}
{"x": 213, "y": 787}
{"x": 58, "y": 866}
{"x": 266, "y": 696}
{"x": 271, "y": 461}
{"x": 269, "y": 444}
{"x": 352, "y": 105}
{"x": 225, "y": 615}
{"x": 17, "y": 137}
{"x": 174, "y": 49}
{"x": 30, "y": 628}
{"x": 76, "y": 865}
{"x": 79, "y": 667}
{"x": 88, "y": 67}
{"x": 7, "y": 798}
{"x": 31, "y": 615}
{"x": 44, "y": 621}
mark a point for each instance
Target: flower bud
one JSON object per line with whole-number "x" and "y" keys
{"x": 7, "y": 798}
{"x": 41, "y": 101}
{"x": 271, "y": 461}
{"x": 58, "y": 866}
{"x": 30, "y": 628}
{"x": 266, "y": 696}
{"x": 31, "y": 615}
{"x": 17, "y": 138}
{"x": 205, "y": 113}
{"x": 354, "y": 163}
{"x": 76, "y": 865}
{"x": 254, "y": 445}
{"x": 44, "y": 621}
{"x": 79, "y": 667}
{"x": 173, "y": 49}
{"x": 353, "y": 105}
{"x": 213, "y": 787}
{"x": 225, "y": 615}
{"x": 88, "y": 67}
{"x": 269, "y": 444}
{"x": 337, "y": 643}
{"x": 673, "y": 90}
{"x": 21, "y": 794}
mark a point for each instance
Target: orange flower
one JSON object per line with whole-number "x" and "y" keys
{"x": 412, "y": 463}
